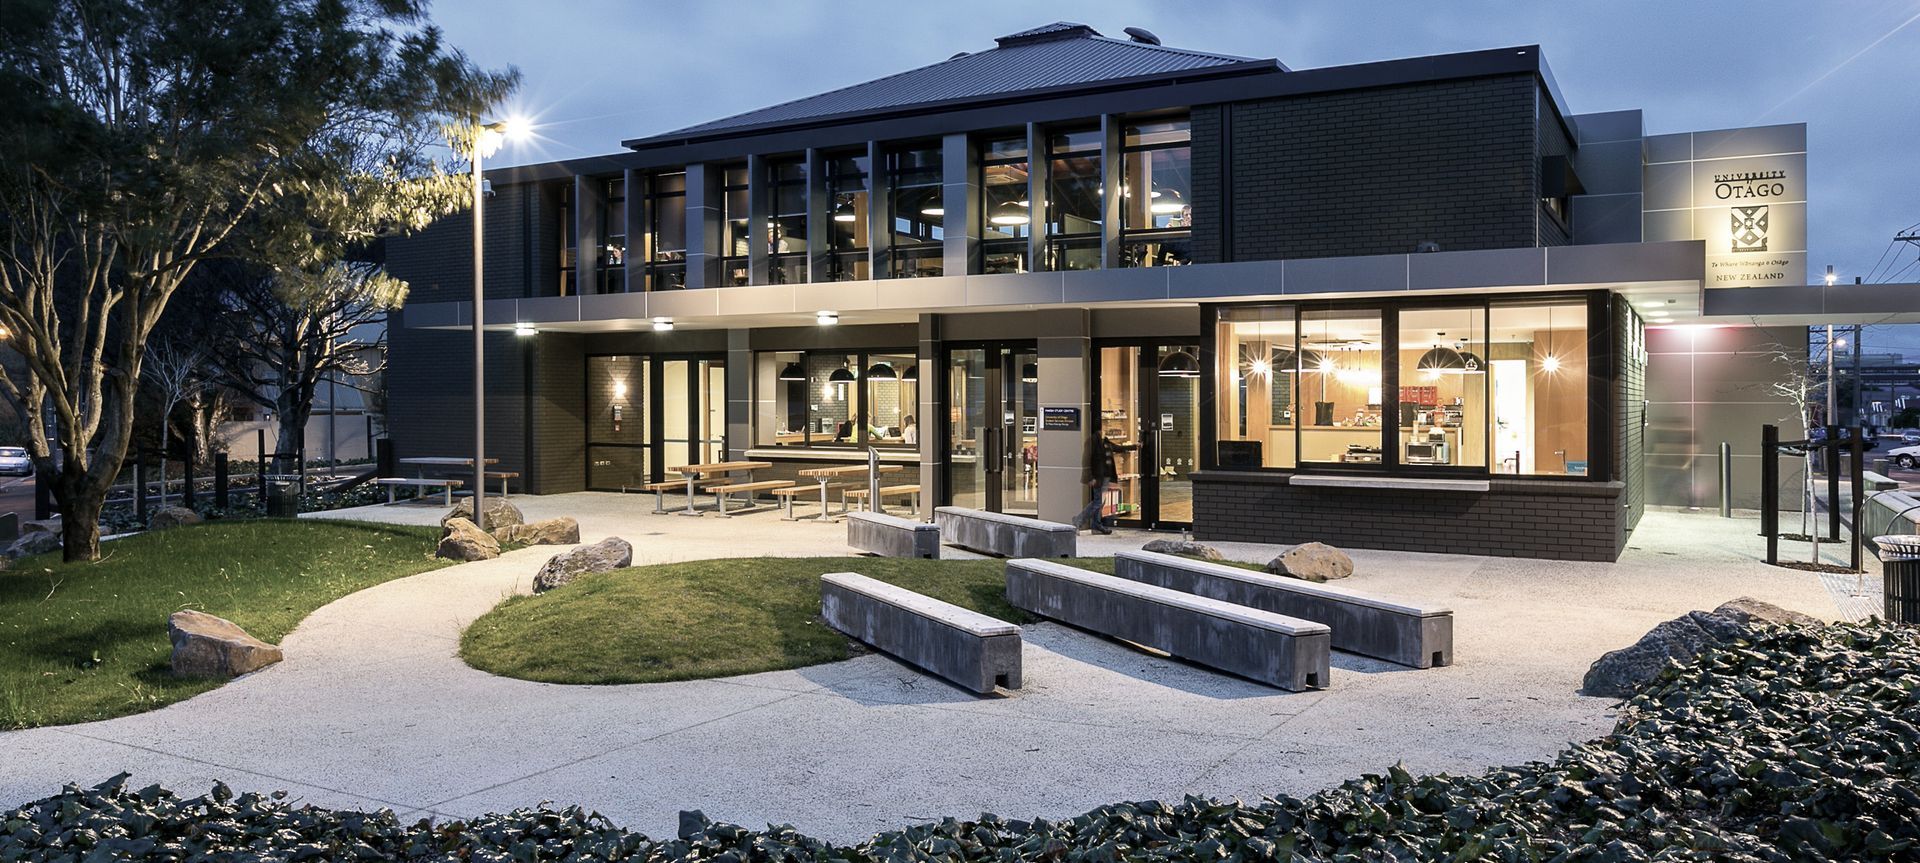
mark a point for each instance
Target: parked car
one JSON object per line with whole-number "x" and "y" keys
{"x": 14, "y": 461}
{"x": 1910, "y": 436}
{"x": 1905, "y": 456}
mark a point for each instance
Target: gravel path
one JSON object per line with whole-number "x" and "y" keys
{"x": 373, "y": 708}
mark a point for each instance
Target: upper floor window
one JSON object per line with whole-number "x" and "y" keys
{"x": 613, "y": 247}
{"x": 1005, "y": 215}
{"x": 735, "y": 223}
{"x": 1156, "y": 209}
{"x": 914, "y": 244}
{"x": 569, "y": 240}
{"x": 847, "y": 238}
{"x": 667, "y": 231}
{"x": 787, "y": 233}
{"x": 1075, "y": 211}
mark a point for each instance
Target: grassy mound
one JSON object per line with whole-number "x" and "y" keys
{"x": 86, "y": 641}
{"x": 1801, "y": 746}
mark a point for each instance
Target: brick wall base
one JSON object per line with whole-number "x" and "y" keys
{"x": 1541, "y": 518}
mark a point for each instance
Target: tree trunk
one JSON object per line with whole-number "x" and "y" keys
{"x": 291, "y": 415}
{"x": 79, "y": 507}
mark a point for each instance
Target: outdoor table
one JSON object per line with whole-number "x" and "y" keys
{"x": 694, "y": 471}
{"x": 825, "y": 473}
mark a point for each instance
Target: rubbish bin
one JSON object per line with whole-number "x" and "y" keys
{"x": 283, "y": 498}
{"x": 1900, "y": 574}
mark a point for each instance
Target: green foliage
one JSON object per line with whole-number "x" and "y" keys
{"x": 1798, "y": 747}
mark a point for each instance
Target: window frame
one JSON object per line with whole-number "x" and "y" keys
{"x": 735, "y": 180}
{"x": 835, "y": 183}
{"x": 658, "y": 269}
{"x": 611, "y": 274}
{"x": 859, "y": 414}
{"x": 902, "y": 177}
{"x": 1017, "y": 245}
{"x": 1128, "y": 235}
{"x": 1058, "y": 243}
{"x": 778, "y": 261}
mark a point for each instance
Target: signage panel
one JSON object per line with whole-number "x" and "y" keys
{"x": 1060, "y": 419}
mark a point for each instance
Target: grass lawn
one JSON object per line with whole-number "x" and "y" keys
{"x": 85, "y": 641}
{"x": 710, "y": 618}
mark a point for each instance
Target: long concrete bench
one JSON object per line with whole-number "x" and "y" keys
{"x": 892, "y": 536}
{"x": 1005, "y": 535}
{"x": 1419, "y": 636}
{"x": 969, "y": 648}
{"x": 1272, "y": 648}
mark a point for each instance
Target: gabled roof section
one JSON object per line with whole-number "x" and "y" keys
{"x": 1061, "y": 56}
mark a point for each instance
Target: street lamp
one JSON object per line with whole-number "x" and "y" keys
{"x": 486, "y": 139}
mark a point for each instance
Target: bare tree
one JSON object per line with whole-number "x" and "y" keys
{"x": 176, "y": 373}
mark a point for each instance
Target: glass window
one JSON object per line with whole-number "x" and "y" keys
{"x": 1339, "y": 393}
{"x": 613, "y": 250}
{"x": 847, "y": 237}
{"x": 1075, "y": 212}
{"x": 735, "y": 235}
{"x": 1005, "y": 214}
{"x": 1257, "y": 370}
{"x": 787, "y": 235}
{"x": 1537, "y": 363}
{"x": 1157, "y": 205}
{"x": 667, "y": 231}
{"x": 1443, "y": 387}
{"x": 569, "y": 239}
{"x": 831, "y": 398}
{"x": 918, "y": 213}
{"x": 891, "y": 399}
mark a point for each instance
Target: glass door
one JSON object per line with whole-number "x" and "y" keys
{"x": 1149, "y": 402}
{"x": 692, "y": 413}
{"x": 993, "y": 429}
{"x": 1175, "y": 451}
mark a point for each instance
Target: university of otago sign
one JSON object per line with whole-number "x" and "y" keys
{"x": 1752, "y": 213}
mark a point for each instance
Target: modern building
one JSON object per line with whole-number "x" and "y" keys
{"x": 1402, "y": 304}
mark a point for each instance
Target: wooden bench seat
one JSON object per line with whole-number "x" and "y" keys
{"x": 910, "y": 492}
{"x": 720, "y": 492}
{"x": 661, "y": 488}
{"x": 421, "y": 483}
{"x": 969, "y": 648}
{"x": 503, "y": 476}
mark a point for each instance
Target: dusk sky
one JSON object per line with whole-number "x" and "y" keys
{"x": 598, "y": 71}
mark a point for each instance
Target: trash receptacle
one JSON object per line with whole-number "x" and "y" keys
{"x": 283, "y": 499}
{"x": 1900, "y": 576}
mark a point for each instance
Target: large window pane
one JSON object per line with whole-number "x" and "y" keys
{"x": 787, "y": 235}
{"x": 1255, "y": 378}
{"x": 918, "y": 210}
{"x": 667, "y": 232}
{"x": 847, "y": 201}
{"x": 1443, "y": 387}
{"x": 1073, "y": 190}
{"x": 1537, "y": 359}
{"x": 735, "y": 226}
{"x": 806, "y": 398}
{"x": 1340, "y": 386}
{"x": 892, "y": 396}
{"x": 1006, "y": 216}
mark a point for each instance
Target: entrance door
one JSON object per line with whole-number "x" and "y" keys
{"x": 1149, "y": 400}
{"x": 692, "y": 413}
{"x": 993, "y": 429}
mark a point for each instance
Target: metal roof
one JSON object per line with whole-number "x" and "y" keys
{"x": 1052, "y": 57}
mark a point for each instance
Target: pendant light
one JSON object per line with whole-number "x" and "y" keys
{"x": 1008, "y": 215}
{"x": 911, "y": 374}
{"x": 1179, "y": 364}
{"x": 1310, "y": 361}
{"x": 1474, "y": 365}
{"x": 841, "y": 375}
{"x": 843, "y": 212}
{"x": 1167, "y": 202}
{"x": 793, "y": 372}
{"x": 1441, "y": 359}
{"x": 881, "y": 371}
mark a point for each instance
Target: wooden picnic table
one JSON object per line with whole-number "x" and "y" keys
{"x": 427, "y": 461}
{"x": 823, "y": 474}
{"x": 695, "y": 471}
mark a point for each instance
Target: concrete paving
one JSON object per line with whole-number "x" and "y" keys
{"x": 373, "y": 708}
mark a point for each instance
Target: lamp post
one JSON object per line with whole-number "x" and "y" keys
{"x": 486, "y": 139}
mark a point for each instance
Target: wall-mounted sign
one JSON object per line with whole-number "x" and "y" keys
{"x": 1743, "y": 192}
{"x": 1060, "y": 419}
{"x": 1166, "y": 422}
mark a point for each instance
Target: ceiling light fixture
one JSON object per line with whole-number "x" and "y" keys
{"x": 1179, "y": 364}
{"x": 525, "y": 329}
{"x": 826, "y": 318}
{"x": 661, "y": 325}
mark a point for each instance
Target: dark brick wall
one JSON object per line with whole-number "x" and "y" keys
{"x": 521, "y": 249}
{"x": 430, "y": 394}
{"x": 1557, "y": 520}
{"x": 558, "y": 414}
{"x": 1369, "y": 171}
{"x": 1630, "y": 461}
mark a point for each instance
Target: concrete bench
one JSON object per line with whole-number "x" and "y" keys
{"x": 910, "y": 492}
{"x": 967, "y": 647}
{"x": 1271, "y": 648}
{"x": 1421, "y": 637}
{"x": 720, "y": 492}
{"x": 892, "y": 536}
{"x": 1005, "y": 535}
{"x": 394, "y": 482}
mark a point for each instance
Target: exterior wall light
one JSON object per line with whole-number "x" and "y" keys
{"x": 661, "y": 325}
{"x": 826, "y": 318}
{"x": 524, "y": 330}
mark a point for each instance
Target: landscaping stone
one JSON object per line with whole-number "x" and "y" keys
{"x": 464, "y": 540}
{"x": 1620, "y": 673}
{"x": 1183, "y": 547}
{"x": 172, "y": 516}
{"x": 45, "y": 525}
{"x": 604, "y": 556}
{"x": 33, "y": 543}
{"x": 1313, "y": 561}
{"x": 500, "y": 513}
{"x": 553, "y": 531}
{"x": 209, "y": 646}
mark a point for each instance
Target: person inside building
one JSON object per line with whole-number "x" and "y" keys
{"x": 909, "y": 432}
{"x": 1106, "y": 472}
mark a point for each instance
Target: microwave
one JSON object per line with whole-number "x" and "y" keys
{"x": 1426, "y": 452}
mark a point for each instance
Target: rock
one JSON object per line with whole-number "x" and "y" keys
{"x": 1184, "y": 547}
{"x": 31, "y": 544}
{"x": 172, "y": 516}
{"x": 1621, "y": 673}
{"x": 45, "y": 525}
{"x": 1313, "y": 561}
{"x": 208, "y": 646}
{"x": 464, "y": 540}
{"x": 553, "y": 531}
{"x": 604, "y": 556}
{"x": 499, "y": 513}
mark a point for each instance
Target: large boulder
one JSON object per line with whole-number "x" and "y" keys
{"x": 463, "y": 540}
{"x": 1183, "y": 547}
{"x": 172, "y": 516}
{"x": 500, "y": 513}
{"x": 45, "y": 525}
{"x": 1313, "y": 561}
{"x": 553, "y": 531}
{"x": 1621, "y": 673}
{"x": 604, "y": 556}
{"x": 208, "y": 646}
{"x": 30, "y": 544}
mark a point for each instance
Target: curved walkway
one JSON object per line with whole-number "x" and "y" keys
{"x": 373, "y": 708}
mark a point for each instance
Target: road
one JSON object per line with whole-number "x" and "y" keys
{"x": 16, "y": 495}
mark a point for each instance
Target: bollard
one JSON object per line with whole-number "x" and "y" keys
{"x": 1726, "y": 480}
{"x": 220, "y": 490}
{"x": 873, "y": 480}
{"x": 186, "y": 479}
{"x": 139, "y": 488}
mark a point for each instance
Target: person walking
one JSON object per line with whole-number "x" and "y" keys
{"x": 1106, "y": 472}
